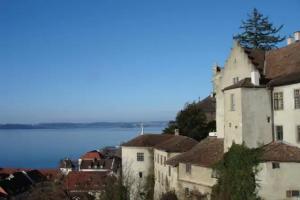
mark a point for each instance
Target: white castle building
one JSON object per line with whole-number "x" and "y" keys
{"x": 257, "y": 103}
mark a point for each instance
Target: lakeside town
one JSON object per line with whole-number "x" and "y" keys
{"x": 180, "y": 164}
{"x": 240, "y": 142}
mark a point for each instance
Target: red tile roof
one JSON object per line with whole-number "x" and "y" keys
{"x": 282, "y": 61}
{"x": 206, "y": 153}
{"x": 85, "y": 181}
{"x": 280, "y": 152}
{"x": 92, "y": 155}
{"x": 244, "y": 83}
{"x": 285, "y": 80}
{"x": 147, "y": 140}
{"x": 178, "y": 143}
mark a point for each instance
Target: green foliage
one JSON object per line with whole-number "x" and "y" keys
{"x": 191, "y": 122}
{"x": 149, "y": 187}
{"x": 258, "y": 32}
{"x": 236, "y": 174}
{"x": 114, "y": 190}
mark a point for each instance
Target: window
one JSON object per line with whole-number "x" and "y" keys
{"x": 232, "y": 102}
{"x": 188, "y": 168}
{"x": 275, "y": 165}
{"x": 235, "y": 80}
{"x": 161, "y": 160}
{"x": 140, "y": 156}
{"x": 297, "y": 98}
{"x": 187, "y": 192}
{"x": 158, "y": 176}
{"x": 279, "y": 133}
{"x": 293, "y": 193}
{"x": 165, "y": 159}
{"x": 141, "y": 174}
{"x": 298, "y": 133}
{"x": 278, "y": 101}
{"x": 157, "y": 158}
{"x": 169, "y": 170}
{"x": 214, "y": 173}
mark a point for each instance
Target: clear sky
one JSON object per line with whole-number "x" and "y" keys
{"x": 116, "y": 60}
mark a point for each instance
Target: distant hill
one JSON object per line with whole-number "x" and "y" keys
{"x": 65, "y": 125}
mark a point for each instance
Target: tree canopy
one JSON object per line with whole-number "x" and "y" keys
{"x": 236, "y": 174}
{"x": 191, "y": 122}
{"x": 258, "y": 32}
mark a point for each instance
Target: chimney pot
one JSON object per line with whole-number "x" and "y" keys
{"x": 255, "y": 77}
{"x": 297, "y": 35}
{"x": 290, "y": 40}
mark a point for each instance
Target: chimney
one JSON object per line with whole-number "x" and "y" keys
{"x": 79, "y": 163}
{"x": 290, "y": 40}
{"x": 297, "y": 35}
{"x": 142, "y": 129}
{"x": 255, "y": 77}
{"x": 176, "y": 131}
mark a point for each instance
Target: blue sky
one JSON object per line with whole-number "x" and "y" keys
{"x": 116, "y": 60}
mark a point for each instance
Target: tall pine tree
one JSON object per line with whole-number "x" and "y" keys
{"x": 258, "y": 32}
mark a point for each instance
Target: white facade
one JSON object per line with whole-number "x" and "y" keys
{"x": 288, "y": 117}
{"x": 275, "y": 183}
{"x": 135, "y": 171}
{"x": 198, "y": 179}
{"x": 250, "y": 121}
{"x": 237, "y": 67}
{"x": 165, "y": 175}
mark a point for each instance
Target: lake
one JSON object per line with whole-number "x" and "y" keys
{"x": 43, "y": 148}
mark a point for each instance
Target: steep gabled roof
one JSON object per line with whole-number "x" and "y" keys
{"x": 178, "y": 143}
{"x": 206, "y": 153}
{"x": 244, "y": 83}
{"x": 257, "y": 57}
{"x": 283, "y": 61}
{"x": 280, "y": 152}
{"x": 91, "y": 155}
{"x": 208, "y": 104}
{"x": 147, "y": 140}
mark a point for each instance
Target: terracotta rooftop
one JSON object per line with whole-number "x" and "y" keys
{"x": 244, "y": 83}
{"x": 178, "y": 143}
{"x": 282, "y": 61}
{"x": 257, "y": 57}
{"x": 206, "y": 153}
{"x": 208, "y": 104}
{"x": 107, "y": 164}
{"x": 85, "y": 181}
{"x": 147, "y": 140}
{"x": 285, "y": 80}
{"x": 92, "y": 155}
{"x": 280, "y": 152}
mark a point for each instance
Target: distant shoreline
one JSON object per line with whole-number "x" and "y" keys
{"x": 81, "y": 125}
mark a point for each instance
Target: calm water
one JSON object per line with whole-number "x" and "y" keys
{"x": 45, "y": 147}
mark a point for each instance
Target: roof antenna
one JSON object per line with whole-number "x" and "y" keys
{"x": 142, "y": 129}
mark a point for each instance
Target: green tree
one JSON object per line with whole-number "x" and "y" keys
{"x": 191, "y": 122}
{"x": 258, "y": 32}
{"x": 236, "y": 174}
